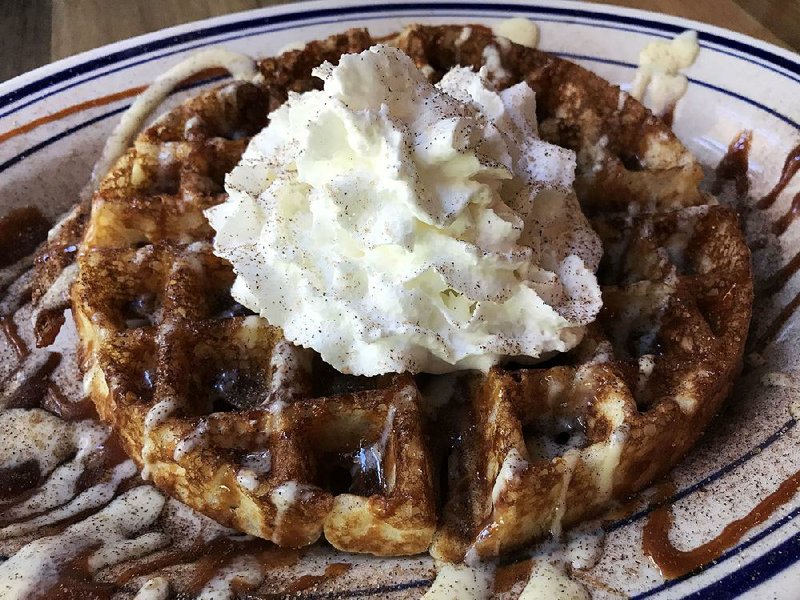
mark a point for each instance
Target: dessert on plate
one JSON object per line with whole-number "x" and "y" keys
{"x": 435, "y": 292}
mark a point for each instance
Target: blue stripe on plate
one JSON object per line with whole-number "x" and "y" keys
{"x": 755, "y": 573}
{"x": 792, "y": 66}
{"x": 371, "y": 591}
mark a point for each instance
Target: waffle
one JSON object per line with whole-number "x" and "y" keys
{"x": 222, "y": 412}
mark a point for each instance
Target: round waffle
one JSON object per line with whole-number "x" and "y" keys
{"x": 226, "y": 415}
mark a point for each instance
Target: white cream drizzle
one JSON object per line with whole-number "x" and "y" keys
{"x": 247, "y": 479}
{"x": 195, "y": 440}
{"x": 603, "y": 458}
{"x": 513, "y": 465}
{"x": 647, "y": 362}
{"x": 254, "y": 465}
{"x": 290, "y": 366}
{"x": 285, "y": 496}
{"x": 157, "y": 415}
{"x": 186, "y": 525}
{"x": 244, "y": 569}
{"x": 461, "y": 582}
{"x": 94, "y": 497}
{"x": 493, "y": 63}
{"x": 463, "y": 36}
{"x": 36, "y": 435}
{"x": 780, "y": 379}
{"x": 658, "y": 79}
{"x": 36, "y": 565}
{"x": 84, "y": 439}
{"x": 143, "y": 545}
{"x": 156, "y": 588}
{"x": 570, "y": 460}
{"x": 240, "y": 66}
{"x": 518, "y": 30}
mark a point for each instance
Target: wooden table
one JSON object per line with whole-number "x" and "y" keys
{"x": 36, "y": 32}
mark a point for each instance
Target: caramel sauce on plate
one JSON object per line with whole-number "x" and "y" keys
{"x": 790, "y": 166}
{"x": 509, "y": 575}
{"x": 780, "y": 226}
{"x": 777, "y": 324}
{"x": 669, "y": 116}
{"x": 16, "y": 481}
{"x": 220, "y": 552}
{"x": 31, "y": 393}
{"x": 676, "y": 563}
{"x": 75, "y": 582}
{"x": 9, "y": 328}
{"x": 735, "y": 165}
{"x": 21, "y": 231}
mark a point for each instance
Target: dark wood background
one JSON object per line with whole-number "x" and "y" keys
{"x": 36, "y": 32}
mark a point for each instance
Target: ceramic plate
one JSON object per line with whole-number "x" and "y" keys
{"x": 53, "y": 122}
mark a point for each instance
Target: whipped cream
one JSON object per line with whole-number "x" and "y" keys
{"x": 394, "y": 225}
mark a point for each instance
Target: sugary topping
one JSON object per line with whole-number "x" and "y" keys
{"x": 393, "y": 225}
{"x": 658, "y": 82}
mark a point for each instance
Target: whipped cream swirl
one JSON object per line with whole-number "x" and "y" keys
{"x": 395, "y": 225}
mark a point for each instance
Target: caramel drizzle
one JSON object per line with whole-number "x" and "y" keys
{"x": 790, "y": 167}
{"x": 673, "y": 562}
{"x": 21, "y": 231}
{"x": 735, "y": 165}
{"x": 777, "y": 324}
{"x": 669, "y": 116}
{"x": 9, "y": 328}
{"x": 507, "y": 576}
{"x": 780, "y": 226}
{"x": 75, "y": 581}
{"x": 776, "y": 282}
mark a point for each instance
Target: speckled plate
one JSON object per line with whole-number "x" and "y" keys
{"x": 53, "y": 122}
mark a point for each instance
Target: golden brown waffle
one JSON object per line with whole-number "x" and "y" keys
{"x": 226, "y": 415}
